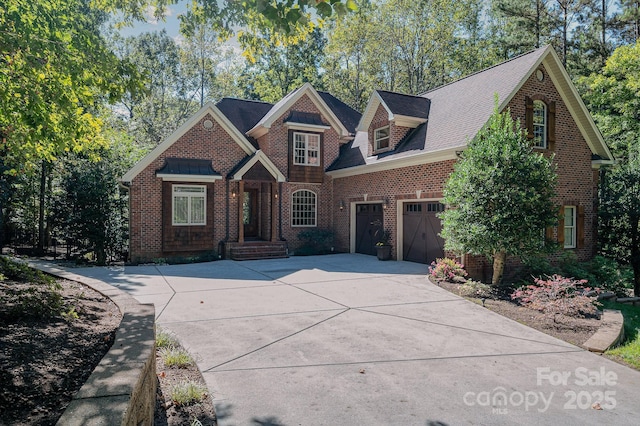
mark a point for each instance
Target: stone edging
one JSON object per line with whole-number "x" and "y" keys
{"x": 610, "y": 333}
{"x": 122, "y": 388}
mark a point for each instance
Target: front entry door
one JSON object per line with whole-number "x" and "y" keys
{"x": 369, "y": 227}
{"x": 250, "y": 213}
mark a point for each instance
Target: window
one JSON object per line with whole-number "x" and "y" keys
{"x": 306, "y": 149}
{"x": 303, "y": 208}
{"x": 189, "y": 204}
{"x": 539, "y": 124}
{"x": 569, "y": 227}
{"x": 381, "y": 138}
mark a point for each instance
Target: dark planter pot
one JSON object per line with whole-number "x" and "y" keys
{"x": 384, "y": 252}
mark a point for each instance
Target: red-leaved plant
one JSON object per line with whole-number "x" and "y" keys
{"x": 559, "y": 295}
{"x": 446, "y": 269}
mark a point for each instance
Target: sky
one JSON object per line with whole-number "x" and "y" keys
{"x": 171, "y": 23}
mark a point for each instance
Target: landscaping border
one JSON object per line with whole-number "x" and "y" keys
{"x": 122, "y": 388}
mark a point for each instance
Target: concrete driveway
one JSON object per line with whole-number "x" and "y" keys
{"x": 348, "y": 340}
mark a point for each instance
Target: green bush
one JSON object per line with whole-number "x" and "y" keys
{"x": 315, "y": 241}
{"x": 21, "y": 272}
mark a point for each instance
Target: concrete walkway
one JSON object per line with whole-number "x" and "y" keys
{"x": 348, "y": 340}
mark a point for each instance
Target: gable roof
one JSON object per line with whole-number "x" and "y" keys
{"x": 347, "y": 115}
{"x": 263, "y": 126}
{"x": 207, "y": 109}
{"x": 244, "y": 114}
{"x": 460, "y": 109}
{"x": 248, "y": 162}
{"x": 404, "y": 110}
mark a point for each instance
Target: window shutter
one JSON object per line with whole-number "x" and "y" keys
{"x": 580, "y": 226}
{"x": 548, "y": 233}
{"x": 551, "y": 126}
{"x": 561, "y": 228}
{"x": 528, "y": 118}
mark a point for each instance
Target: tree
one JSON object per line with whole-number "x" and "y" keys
{"x": 614, "y": 99}
{"x": 500, "y": 196}
{"x": 619, "y": 213}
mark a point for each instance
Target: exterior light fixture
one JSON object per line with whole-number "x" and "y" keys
{"x": 341, "y": 205}
{"x": 386, "y": 203}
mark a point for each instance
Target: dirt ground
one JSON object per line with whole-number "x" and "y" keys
{"x": 44, "y": 362}
{"x": 573, "y": 330}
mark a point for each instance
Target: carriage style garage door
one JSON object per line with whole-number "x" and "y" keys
{"x": 368, "y": 227}
{"x": 421, "y": 242}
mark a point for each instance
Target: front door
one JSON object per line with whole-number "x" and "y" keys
{"x": 250, "y": 213}
{"x": 369, "y": 227}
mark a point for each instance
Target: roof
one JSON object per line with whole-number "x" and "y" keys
{"x": 242, "y": 113}
{"x": 304, "y": 118}
{"x": 277, "y": 110}
{"x": 460, "y": 109}
{"x": 187, "y": 166}
{"x": 347, "y": 115}
{"x": 409, "y": 105}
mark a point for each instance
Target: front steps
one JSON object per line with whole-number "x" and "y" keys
{"x": 254, "y": 250}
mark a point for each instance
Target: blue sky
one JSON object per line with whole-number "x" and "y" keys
{"x": 171, "y": 22}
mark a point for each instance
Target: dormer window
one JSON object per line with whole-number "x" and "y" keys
{"x": 539, "y": 124}
{"x": 306, "y": 149}
{"x": 381, "y": 138}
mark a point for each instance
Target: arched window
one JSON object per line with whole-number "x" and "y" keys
{"x": 539, "y": 124}
{"x": 303, "y": 208}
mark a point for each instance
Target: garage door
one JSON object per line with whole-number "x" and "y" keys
{"x": 421, "y": 242}
{"x": 368, "y": 227}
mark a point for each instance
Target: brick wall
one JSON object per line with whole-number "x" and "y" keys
{"x": 396, "y": 133}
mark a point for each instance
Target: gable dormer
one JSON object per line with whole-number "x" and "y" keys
{"x": 390, "y": 116}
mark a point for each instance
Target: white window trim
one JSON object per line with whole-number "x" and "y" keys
{"x": 315, "y": 213}
{"x": 544, "y": 125}
{"x": 376, "y": 139}
{"x": 202, "y": 194}
{"x": 306, "y": 149}
{"x": 570, "y": 244}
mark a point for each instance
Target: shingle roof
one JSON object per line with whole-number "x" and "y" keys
{"x": 409, "y": 105}
{"x": 242, "y": 113}
{"x": 457, "y": 112}
{"x": 347, "y": 115}
{"x": 187, "y": 166}
{"x": 304, "y": 118}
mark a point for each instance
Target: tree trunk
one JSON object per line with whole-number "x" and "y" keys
{"x": 43, "y": 190}
{"x": 499, "y": 259}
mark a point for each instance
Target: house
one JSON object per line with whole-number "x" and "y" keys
{"x": 243, "y": 178}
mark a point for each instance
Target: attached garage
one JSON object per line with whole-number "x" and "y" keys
{"x": 369, "y": 227}
{"x": 421, "y": 227}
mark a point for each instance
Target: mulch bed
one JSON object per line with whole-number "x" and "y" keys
{"x": 573, "y": 330}
{"x": 44, "y": 362}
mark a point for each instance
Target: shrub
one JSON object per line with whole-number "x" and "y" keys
{"x": 558, "y": 295}
{"x": 446, "y": 269}
{"x": 175, "y": 357}
{"x": 315, "y": 241}
{"x": 476, "y": 289}
{"x": 188, "y": 392}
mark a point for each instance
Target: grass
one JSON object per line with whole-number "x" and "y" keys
{"x": 175, "y": 357}
{"x": 629, "y": 350}
{"x": 165, "y": 339}
{"x": 189, "y": 392}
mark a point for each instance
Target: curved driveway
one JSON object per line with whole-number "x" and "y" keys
{"x": 348, "y": 340}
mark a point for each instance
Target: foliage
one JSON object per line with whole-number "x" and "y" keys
{"x": 55, "y": 68}
{"x": 187, "y": 392}
{"x": 558, "y": 295}
{"x": 384, "y": 239}
{"x": 619, "y": 214}
{"x": 315, "y": 241}
{"x": 32, "y": 294}
{"x": 475, "y": 289}
{"x": 446, "y": 269}
{"x": 501, "y": 196}
{"x": 175, "y": 356}
{"x": 629, "y": 349}
{"x": 614, "y": 99}
{"x": 165, "y": 339}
